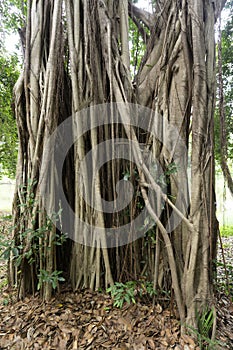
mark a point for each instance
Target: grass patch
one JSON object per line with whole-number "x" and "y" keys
{"x": 226, "y": 231}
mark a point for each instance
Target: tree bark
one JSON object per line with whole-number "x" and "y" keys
{"x": 82, "y": 62}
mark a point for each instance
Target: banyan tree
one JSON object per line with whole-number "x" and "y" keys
{"x": 114, "y": 109}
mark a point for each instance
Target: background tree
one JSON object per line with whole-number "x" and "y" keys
{"x": 12, "y": 17}
{"x": 78, "y": 56}
{"x": 224, "y": 125}
{"x": 8, "y": 132}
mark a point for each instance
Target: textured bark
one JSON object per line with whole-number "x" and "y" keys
{"x": 38, "y": 97}
{"x": 177, "y": 80}
{"x": 82, "y": 62}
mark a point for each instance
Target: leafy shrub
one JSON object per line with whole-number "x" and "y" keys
{"x": 226, "y": 231}
{"x": 129, "y": 291}
{"x": 205, "y": 321}
{"x": 53, "y": 278}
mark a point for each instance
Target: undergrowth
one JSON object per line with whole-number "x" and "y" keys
{"x": 133, "y": 291}
{"x": 226, "y": 231}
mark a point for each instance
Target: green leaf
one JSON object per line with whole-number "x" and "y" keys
{"x": 127, "y": 298}
{"x": 15, "y": 251}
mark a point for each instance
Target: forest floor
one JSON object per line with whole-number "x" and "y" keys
{"x": 88, "y": 320}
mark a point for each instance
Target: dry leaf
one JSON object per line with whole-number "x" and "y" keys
{"x": 151, "y": 343}
{"x": 188, "y": 339}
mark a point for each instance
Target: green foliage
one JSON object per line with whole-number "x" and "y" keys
{"x": 226, "y": 231}
{"x": 137, "y": 49}
{"x": 148, "y": 288}
{"x": 3, "y": 283}
{"x": 150, "y": 236}
{"x": 29, "y": 243}
{"x": 227, "y": 67}
{"x": 6, "y": 301}
{"x": 164, "y": 179}
{"x": 205, "y": 320}
{"x": 122, "y": 293}
{"x": 17, "y": 251}
{"x": 127, "y": 292}
{"x": 13, "y": 15}
{"x": 8, "y": 131}
{"x": 54, "y": 278}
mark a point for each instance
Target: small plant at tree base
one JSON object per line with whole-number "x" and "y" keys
{"x": 205, "y": 321}
{"x": 6, "y": 302}
{"x": 53, "y": 278}
{"x": 3, "y": 283}
{"x": 127, "y": 292}
{"x": 28, "y": 246}
{"x": 122, "y": 293}
{"x": 149, "y": 288}
{"x": 33, "y": 236}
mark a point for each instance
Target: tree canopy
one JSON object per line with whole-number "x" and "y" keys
{"x": 223, "y": 128}
{"x": 8, "y": 132}
{"x": 12, "y": 17}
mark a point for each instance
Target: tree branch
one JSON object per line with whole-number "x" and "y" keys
{"x": 146, "y": 17}
{"x": 145, "y": 36}
{"x": 219, "y": 5}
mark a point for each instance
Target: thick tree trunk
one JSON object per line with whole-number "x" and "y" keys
{"x": 39, "y": 109}
{"x": 176, "y": 81}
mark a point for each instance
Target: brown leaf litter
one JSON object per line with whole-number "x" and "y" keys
{"x": 88, "y": 320}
